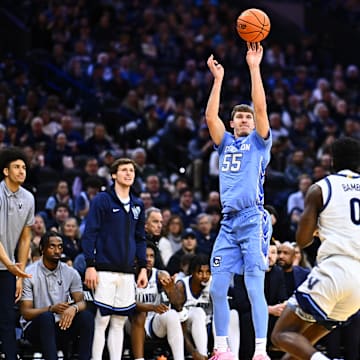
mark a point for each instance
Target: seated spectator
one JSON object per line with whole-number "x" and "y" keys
{"x": 38, "y": 229}
{"x": 70, "y": 233}
{"x": 60, "y": 155}
{"x": 161, "y": 197}
{"x": 92, "y": 186}
{"x": 147, "y": 199}
{"x": 61, "y": 213}
{"x": 205, "y": 236}
{"x": 153, "y": 228}
{"x": 187, "y": 207}
{"x": 170, "y": 242}
{"x": 91, "y": 168}
{"x": 61, "y": 195}
{"x": 294, "y": 275}
{"x": 188, "y": 246}
{"x": 52, "y": 304}
{"x": 295, "y": 203}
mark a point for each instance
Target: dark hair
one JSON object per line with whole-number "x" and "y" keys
{"x": 197, "y": 261}
{"x": 346, "y": 154}
{"x": 61, "y": 205}
{"x": 45, "y": 239}
{"x": 10, "y": 155}
{"x": 152, "y": 246}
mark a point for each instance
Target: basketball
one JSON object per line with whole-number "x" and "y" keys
{"x": 253, "y": 25}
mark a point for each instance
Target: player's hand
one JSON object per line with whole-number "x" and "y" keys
{"x": 161, "y": 308}
{"x": 215, "y": 67}
{"x": 164, "y": 278}
{"x": 67, "y": 317}
{"x": 16, "y": 270}
{"x": 277, "y": 309}
{"x": 18, "y": 289}
{"x": 254, "y": 54}
{"x": 142, "y": 279}
{"x": 91, "y": 278}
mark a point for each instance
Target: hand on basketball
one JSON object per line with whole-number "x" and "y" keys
{"x": 254, "y": 54}
{"x": 216, "y": 68}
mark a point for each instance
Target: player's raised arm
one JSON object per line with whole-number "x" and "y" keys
{"x": 253, "y": 57}
{"x": 215, "y": 124}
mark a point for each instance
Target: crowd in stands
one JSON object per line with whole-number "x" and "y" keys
{"x": 109, "y": 78}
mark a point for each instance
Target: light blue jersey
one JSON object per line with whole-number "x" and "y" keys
{"x": 242, "y": 164}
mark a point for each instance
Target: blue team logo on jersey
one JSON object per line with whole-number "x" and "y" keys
{"x": 136, "y": 212}
{"x": 231, "y": 149}
{"x": 216, "y": 261}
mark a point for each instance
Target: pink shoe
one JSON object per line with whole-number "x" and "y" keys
{"x": 261, "y": 357}
{"x": 227, "y": 355}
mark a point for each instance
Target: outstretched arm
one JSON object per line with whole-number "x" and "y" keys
{"x": 253, "y": 57}
{"x": 215, "y": 124}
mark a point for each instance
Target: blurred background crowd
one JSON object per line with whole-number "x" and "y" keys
{"x": 83, "y": 82}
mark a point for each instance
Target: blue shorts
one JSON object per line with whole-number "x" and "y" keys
{"x": 243, "y": 242}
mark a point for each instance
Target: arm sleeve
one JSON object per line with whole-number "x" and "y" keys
{"x": 91, "y": 231}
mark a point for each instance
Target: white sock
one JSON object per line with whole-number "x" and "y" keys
{"x": 260, "y": 346}
{"x": 116, "y": 336}
{"x": 221, "y": 343}
{"x": 318, "y": 356}
{"x": 139, "y": 359}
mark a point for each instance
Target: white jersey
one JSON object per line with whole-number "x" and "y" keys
{"x": 339, "y": 220}
{"x": 203, "y": 300}
{"x": 151, "y": 293}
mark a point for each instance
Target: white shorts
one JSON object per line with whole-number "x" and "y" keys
{"x": 332, "y": 289}
{"x": 115, "y": 292}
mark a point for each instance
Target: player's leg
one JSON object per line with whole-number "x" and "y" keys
{"x": 100, "y": 325}
{"x": 168, "y": 324}
{"x": 297, "y": 336}
{"x": 115, "y": 338}
{"x": 225, "y": 260}
{"x": 138, "y": 334}
{"x": 257, "y": 229}
{"x": 198, "y": 329}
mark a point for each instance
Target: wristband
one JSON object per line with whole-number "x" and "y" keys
{"x": 76, "y": 306}
{"x": 49, "y": 308}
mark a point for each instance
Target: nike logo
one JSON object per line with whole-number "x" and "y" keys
{"x": 115, "y": 210}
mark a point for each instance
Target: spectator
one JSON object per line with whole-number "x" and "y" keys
{"x": 187, "y": 207}
{"x": 61, "y": 195}
{"x": 70, "y": 234}
{"x": 294, "y": 275}
{"x": 61, "y": 213}
{"x": 188, "y": 246}
{"x": 161, "y": 197}
{"x": 205, "y": 236}
{"x": 295, "y": 203}
{"x": 170, "y": 242}
{"x": 153, "y": 230}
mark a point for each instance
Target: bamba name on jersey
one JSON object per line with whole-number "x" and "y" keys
{"x": 351, "y": 187}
